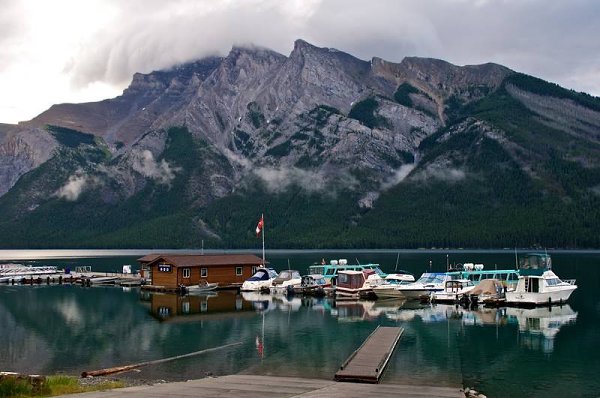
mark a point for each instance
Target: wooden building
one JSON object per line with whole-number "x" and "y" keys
{"x": 173, "y": 270}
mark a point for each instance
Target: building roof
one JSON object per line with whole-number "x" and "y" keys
{"x": 197, "y": 260}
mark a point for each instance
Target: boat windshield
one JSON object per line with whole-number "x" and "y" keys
{"x": 431, "y": 278}
{"x": 316, "y": 269}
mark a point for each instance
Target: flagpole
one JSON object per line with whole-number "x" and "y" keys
{"x": 262, "y": 217}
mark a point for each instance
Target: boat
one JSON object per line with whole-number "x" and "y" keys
{"x": 261, "y": 280}
{"x": 455, "y": 290}
{"x": 490, "y": 292}
{"x": 313, "y": 285}
{"x": 354, "y": 284}
{"x": 330, "y": 271}
{"x": 202, "y": 287}
{"x": 286, "y": 281}
{"x": 427, "y": 283}
{"x": 477, "y": 273}
{"x": 18, "y": 271}
{"x": 388, "y": 289}
{"x": 538, "y": 284}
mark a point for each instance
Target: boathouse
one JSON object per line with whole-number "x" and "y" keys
{"x": 173, "y": 270}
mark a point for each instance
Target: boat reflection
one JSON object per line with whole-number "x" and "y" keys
{"x": 537, "y": 327}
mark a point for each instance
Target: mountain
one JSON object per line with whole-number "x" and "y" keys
{"x": 337, "y": 152}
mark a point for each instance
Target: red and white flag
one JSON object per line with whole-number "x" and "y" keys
{"x": 260, "y": 225}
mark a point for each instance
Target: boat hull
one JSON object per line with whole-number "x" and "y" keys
{"x": 388, "y": 292}
{"x": 414, "y": 294}
{"x": 540, "y": 298}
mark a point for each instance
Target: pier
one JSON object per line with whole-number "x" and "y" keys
{"x": 254, "y": 386}
{"x": 367, "y": 363}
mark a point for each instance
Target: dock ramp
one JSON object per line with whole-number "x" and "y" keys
{"x": 367, "y": 363}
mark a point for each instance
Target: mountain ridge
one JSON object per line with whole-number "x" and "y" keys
{"x": 197, "y": 150}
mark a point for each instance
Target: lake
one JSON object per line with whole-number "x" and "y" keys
{"x": 502, "y": 352}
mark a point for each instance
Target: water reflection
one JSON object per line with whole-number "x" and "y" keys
{"x": 537, "y": 327}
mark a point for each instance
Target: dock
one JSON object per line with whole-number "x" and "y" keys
{"x": 254, "y": 386}
{"x": 367, "y": 363}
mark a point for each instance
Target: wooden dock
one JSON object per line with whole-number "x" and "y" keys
{"x": 367, "y": 363}
{"x": 254, "y": 386}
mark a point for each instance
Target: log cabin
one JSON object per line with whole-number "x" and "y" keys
{"x": 173, "y": 270}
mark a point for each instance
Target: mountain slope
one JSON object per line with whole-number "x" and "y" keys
{"x": 336, "y": 151}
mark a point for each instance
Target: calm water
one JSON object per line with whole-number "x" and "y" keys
{"x": 506, "y": 352}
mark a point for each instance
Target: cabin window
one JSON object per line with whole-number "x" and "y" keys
{"x": 342, "y": 278}
{"x": 239, "y": 271}
{"x": 187, "y": 272}
{"x": 185, "y": 307}
{"x": 203, "y": 272}
{"x": 203, "y": 306}
{"x": 254, "y": 268}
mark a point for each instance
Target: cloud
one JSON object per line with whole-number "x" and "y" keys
{"x": 74, "y": 51}
{"x": 398, "y": 176}
{"x": 161, "y": 172}
{"x": 279, "y": 179}
{"x": 75, "y": 185}
{"x": 441, "y": 173}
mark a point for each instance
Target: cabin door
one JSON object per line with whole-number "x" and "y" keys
{"x": 534, "y": 285}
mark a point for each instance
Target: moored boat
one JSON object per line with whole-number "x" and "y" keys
{"x": 313, "y": 285}
{"x": 353, "y": 284}
{"x": 427, "y": 283}
{"x": 286, "y": 281}
{"x": 538, "y": 284}
{"x": 453, "y": 292}
{"x": 330, "y": 271}
{"x": 202, "y": 287}
{"x": 388, "y": 289}
{"x": 261, "y": 280}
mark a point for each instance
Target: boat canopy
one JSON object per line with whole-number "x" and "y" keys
{"x": 431, "y": 277}
{"x": 286, "y": 275}
{"x": 488, "y": 287}
{"x": 262, "y": 274}
{"x": 535, "y": 261}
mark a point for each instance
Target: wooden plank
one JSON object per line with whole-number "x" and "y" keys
{"x": 249, "y": 386}
{"x": 368, "y": 362}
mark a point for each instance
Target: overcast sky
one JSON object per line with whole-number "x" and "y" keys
{"x": 55, "y": 51}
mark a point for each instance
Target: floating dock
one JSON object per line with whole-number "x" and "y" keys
{"x": 367, "y": 363}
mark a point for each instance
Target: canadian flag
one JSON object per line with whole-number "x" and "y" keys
{"x": 260, "y": 225}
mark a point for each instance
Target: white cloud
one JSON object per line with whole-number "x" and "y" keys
{"x": 161, "y": 172}
{"x": 442, "y": 173}
{"x": 279, "y": 179}
{"x": 74, "y": 186}
{"x": 398, "y": 176}
{"x": 74, "y": 51}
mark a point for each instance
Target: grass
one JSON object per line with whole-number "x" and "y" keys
{"x": 55, "y": 385}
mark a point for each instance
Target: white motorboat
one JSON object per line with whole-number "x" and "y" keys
{"x": 544, "y": 289}
{"x": 202, "y": 287}
{"x": 388, "y": 289}
{"x": 261, "y": 280}
{"x": 453, "y": 291}
{"x": 427, "y": 283}
{"x": 538, "y": 284}
{"x": 286, "y": 281}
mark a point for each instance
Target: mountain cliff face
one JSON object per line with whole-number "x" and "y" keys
{"x": 338, "y": 151}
